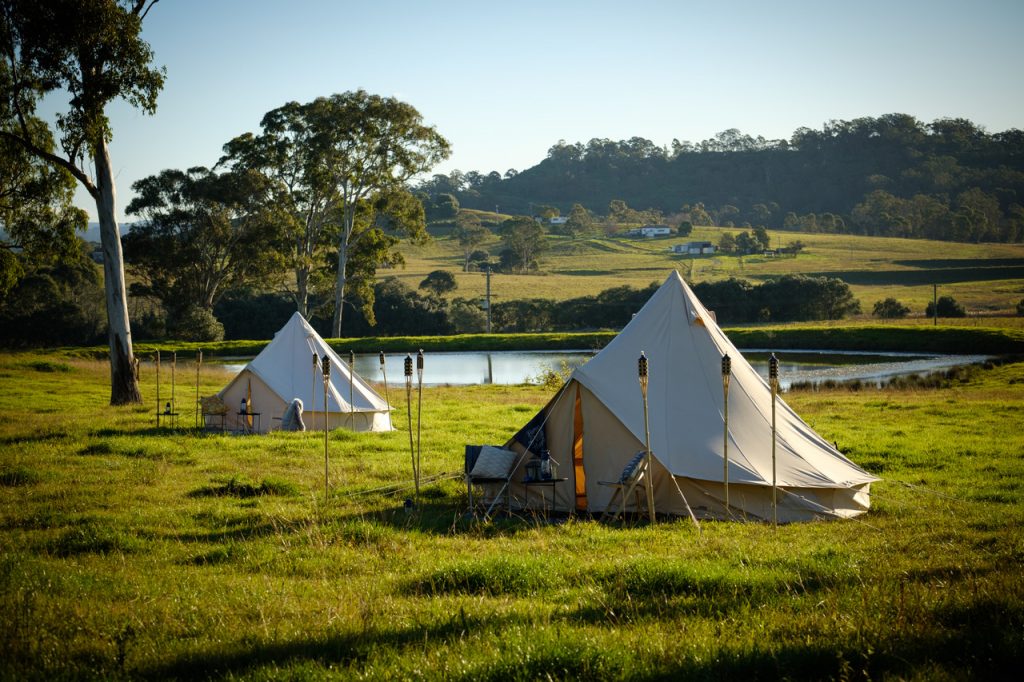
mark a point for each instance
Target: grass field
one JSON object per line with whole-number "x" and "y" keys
{"x": 986, "y": 278}
{"x": 132, "y": 552}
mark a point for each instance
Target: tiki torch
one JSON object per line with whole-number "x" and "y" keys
{"x": 419, "y": 415}
{"x": 199, "y": 364}
{"x": 408, "y": 410}
{"x": 351, "y": 396}
{"x": 726, "y": 375}
{"x": 648, "y": 459}
{"x": 326, "y": 369}
{"x": 773, "y": 378}
{"x": 384, "y": 373}
{"x": 312, "y": 393}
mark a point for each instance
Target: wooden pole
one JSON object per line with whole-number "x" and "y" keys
{"x": 351, "y": 396}
{"x": 408, "y": 409}
{"x": 384, "y": 373}
{"x": 199, "y": 364}
{"x": 648, "y": 458}
{"x": 326, "y": 368}
{"x": 419, "y": 416}
{"x": 773, "y": 376}
{"x": 158, "y": 388}
{"x": 312, "y": 393}
{"x": 174, "y": 367}
{"x": 726, "y": 375}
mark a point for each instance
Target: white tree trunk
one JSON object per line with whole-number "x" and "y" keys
{"x": 124, "y": 384}
{"x": 339, "y": 287}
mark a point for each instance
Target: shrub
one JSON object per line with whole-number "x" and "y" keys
{"x": 196, "y": 324}
{"x": 947, "y": 307}
{"x": 890, "y": 308}
{"x": 1020, "y": 307}
{"x": 440, "y": 282}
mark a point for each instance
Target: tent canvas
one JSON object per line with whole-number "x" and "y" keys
{"x": 594, "y": 425}
{"x": 284, "y": 371}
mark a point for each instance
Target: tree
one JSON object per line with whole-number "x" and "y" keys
{"x": 202, "y": 234}
{"x": 524, "y": 241}
{"x": 685, "y": 228}
{"x": 947, "y": 307}
{"x": 890, "y": 309}
{"x": 1020, "y": 308}
{"x": 579, "y": 222}
{"x": 339, "y": 156}
{"x": 439, "y": 282}
{"x": 93, "y": 50}
{"x": 727, "y": 243}
{"x": 443, "y": 207}
{"x": 37, "y": 219}
{"x": 470, "y": 234}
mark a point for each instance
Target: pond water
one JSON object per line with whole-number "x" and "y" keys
{"x": 518, "y": 367}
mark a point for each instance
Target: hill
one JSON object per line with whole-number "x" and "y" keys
{"x": 987, "y": 278}
{"x": 892, "y": 175}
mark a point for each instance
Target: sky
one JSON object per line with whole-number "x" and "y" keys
{"x": 505, "y": 81}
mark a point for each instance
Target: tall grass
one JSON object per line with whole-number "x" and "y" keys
{"x": 128, "y": 551}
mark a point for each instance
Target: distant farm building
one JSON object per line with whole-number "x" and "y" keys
{"x": 649, "y": 231}
{"x": 694, "y": 248}
{"x": 558, "y": 220}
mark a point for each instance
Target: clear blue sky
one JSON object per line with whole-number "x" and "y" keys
{"x": 505, "y": 81}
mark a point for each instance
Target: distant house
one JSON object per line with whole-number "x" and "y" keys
{"x": 558, "y": 220}
{"x": 694, "y": 248}
{"x": 655, "y": 230}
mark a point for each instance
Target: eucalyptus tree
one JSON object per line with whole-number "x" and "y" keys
{"x": 333, "y": 158}
{"x": 38, "y": 220}
{"x": 201, "y": 234}
{"x": 93, "y": 51}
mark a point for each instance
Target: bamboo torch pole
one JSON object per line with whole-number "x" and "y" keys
{"x": 312, "y": 393}
{"x": 726, "y": 374}
{"x": 326, "y": 368}
{"x": 648, "y": 459}
{"x": 174, "y": 403}
{"x": 408, "y": 410}
{"x": 351, "y": 395}
{"x": 773, "y": 377}
{"x": 199, "y": 364}
{"x": 384, "y": 373}
{"x": 157, "y": 360}
{"x": 419, "y": 415}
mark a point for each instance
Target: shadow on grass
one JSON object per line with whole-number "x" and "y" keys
{"x": 980, "y": 641}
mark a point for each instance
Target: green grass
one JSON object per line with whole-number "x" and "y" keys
{"x": 128, "y": 551}
{"x": 987, "y": 278}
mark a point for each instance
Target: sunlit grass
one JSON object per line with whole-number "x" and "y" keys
{"x": 584, "y": 267}
{"x": 132, "y": 551}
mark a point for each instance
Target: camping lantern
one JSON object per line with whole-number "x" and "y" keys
{"x": 547, "y": 466}
{"x": 243, "y": 408}
{"x": 533, "y": 470}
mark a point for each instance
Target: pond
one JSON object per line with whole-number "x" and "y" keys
{"x": 519, "y": 367}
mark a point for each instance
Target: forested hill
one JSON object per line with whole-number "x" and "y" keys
{"x": 891, "y": 175}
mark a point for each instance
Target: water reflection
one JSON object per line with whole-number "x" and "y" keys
{"x": 519, "y": 367}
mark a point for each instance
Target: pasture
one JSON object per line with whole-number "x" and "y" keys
{"x": 987, "y": 278}
{"x": 128, "y": 551}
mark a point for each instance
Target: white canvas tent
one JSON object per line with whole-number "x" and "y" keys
{"x": 284, "y": 371}
{"x": 595, "y": 424}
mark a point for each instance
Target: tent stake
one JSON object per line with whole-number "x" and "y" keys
{"x": 648, "y": 459}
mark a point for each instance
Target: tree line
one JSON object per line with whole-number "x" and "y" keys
{"x": 887, "y": 176}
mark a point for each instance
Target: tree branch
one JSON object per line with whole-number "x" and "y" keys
{"x": 53, "y": 159}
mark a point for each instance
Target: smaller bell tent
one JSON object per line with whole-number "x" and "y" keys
{"x": 285, "y": 370}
